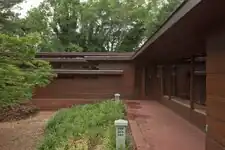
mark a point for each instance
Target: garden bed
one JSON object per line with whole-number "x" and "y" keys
{"x": 84, "y": 127}
{"x": 17, "y": 112}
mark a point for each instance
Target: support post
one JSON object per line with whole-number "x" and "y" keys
{"x": 192, "y": 83}
{"x": 162, "y": 81}
{"x": 170, "y": 82}
{"x": 174, "y": 80}
{"x": 143, "y": 82}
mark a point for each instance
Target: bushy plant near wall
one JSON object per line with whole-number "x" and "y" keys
{"x": 20, "y": 71}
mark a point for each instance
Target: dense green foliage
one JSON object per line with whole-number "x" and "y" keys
{"x": 97, "y": 25}
{"x": 84, "y": 127}
{"x": 8, "y": 19}
{"x": 20, "y": 72}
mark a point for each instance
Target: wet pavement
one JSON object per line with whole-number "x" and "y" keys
{"x": 155, "y": 127}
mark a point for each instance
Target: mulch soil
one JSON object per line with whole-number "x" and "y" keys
{"x": 18, "y": 112}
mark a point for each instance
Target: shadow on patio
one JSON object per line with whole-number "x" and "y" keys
{"x": 155, "y": 127}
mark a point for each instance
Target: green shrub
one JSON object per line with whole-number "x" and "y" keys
{"x": 20, "y": 72}
{"x": 84, "y": 127}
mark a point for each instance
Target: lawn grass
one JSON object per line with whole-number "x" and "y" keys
{"x": 84, "y": 127}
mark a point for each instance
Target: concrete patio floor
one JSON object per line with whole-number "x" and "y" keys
{"x": 155, "y": 127}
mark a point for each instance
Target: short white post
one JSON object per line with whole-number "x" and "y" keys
{"x": 121, "y": 126}
{"x": 117, "y": 97}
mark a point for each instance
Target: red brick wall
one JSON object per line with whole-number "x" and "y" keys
{"x": 81, "y": 88}
{"x": 216, "y": 91}
{"x": 86, "y": 87}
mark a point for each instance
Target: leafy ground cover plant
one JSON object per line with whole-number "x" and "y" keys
{"x": 84, "y": 127}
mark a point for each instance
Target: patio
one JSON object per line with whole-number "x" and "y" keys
{"x": 155, "y": 127}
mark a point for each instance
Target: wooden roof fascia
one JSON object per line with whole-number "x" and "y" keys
{"x": 81, "y": 54}
{"x": 92, "y": 58}
{"x": 181, "y": 11}
{"x": 88, "y": 72}
{"x": 64, "y": 60}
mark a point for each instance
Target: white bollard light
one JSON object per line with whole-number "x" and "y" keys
{"x": 121, "y": 126}
{"x": 206, "y": 128}
{"x": 117, "y": 96}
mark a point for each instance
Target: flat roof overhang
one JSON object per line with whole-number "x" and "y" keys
{"x": 83, "y": 57}
{"x": 81, "y": 54}
{"x": 87, "y": 59}
{"x": 88, "y": 72}
{"x": 184, "y": 33}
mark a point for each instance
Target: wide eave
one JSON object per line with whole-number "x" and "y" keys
{"x": 184, "y": 33}
{"x": 83, "y": 56}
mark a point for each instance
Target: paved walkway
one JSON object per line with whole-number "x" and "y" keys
{"x": 23, "y": 134}
{"x": 155, "y": 127}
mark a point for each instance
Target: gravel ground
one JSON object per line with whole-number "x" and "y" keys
{"x": 23, "y": 134}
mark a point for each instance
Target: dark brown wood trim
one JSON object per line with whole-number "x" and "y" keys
{"x": 162, "y": 81}
{"x": 91, "y": 72}
{"x": 88, "y": 58}
{"x": 73, "y": 54}
{"x": 192, "y": 83}
{"x": 174, "y": 80}
{"x": 64, "y": 60}
{"x": 170, "y": 85}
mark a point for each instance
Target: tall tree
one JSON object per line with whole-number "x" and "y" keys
{"x": 97, "y": 25}
{"x": 20, "y": 71}
{"x": 7, "y": 17}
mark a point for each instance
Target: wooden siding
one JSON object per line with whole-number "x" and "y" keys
{"x": 216, "y": 91}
